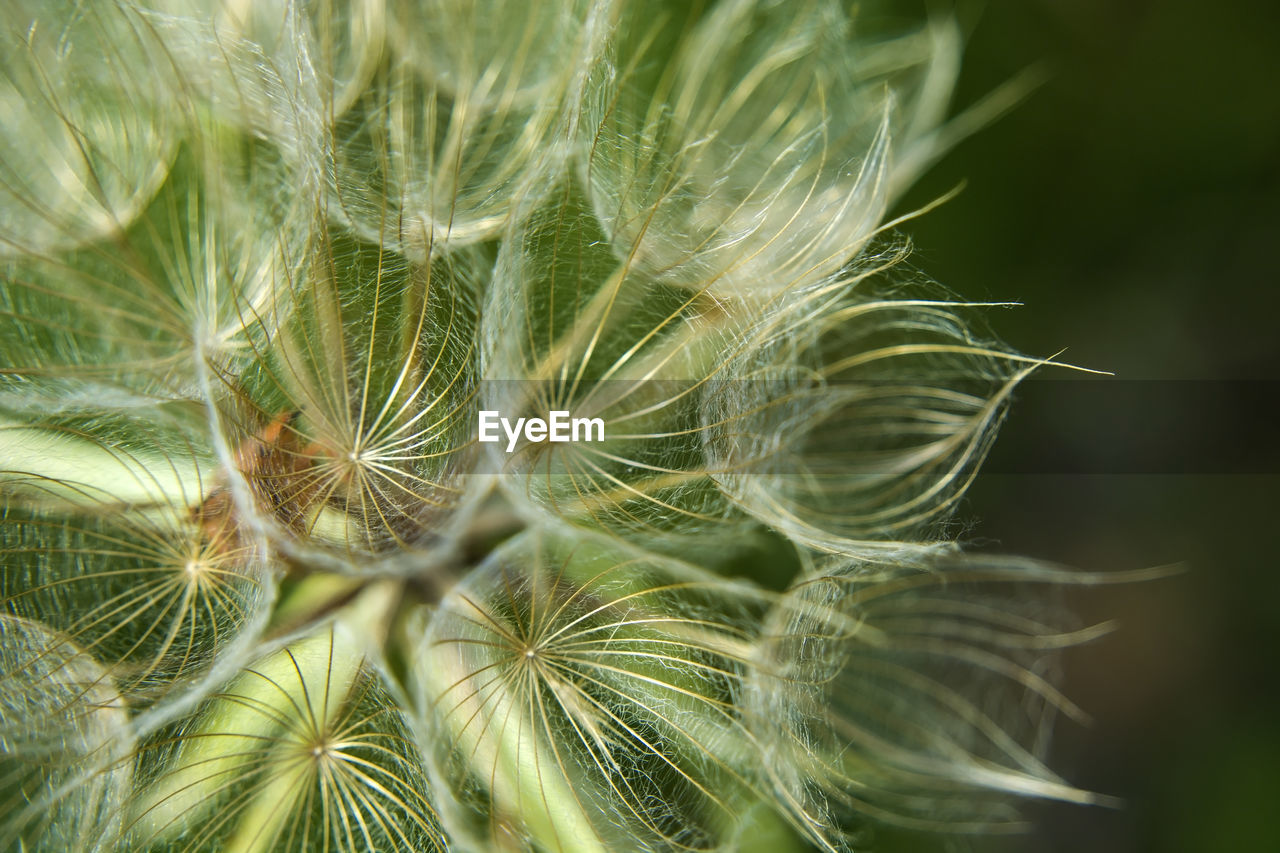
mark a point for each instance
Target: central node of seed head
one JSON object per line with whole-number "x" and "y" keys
{"x": 353, "y": 463}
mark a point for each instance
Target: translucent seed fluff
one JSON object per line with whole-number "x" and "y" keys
{"x": 264, "y": 588}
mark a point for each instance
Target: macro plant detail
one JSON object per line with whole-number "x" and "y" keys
{"x": 262, "y": 266}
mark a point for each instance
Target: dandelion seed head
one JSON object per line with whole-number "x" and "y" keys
{"x": 261, "y": 267}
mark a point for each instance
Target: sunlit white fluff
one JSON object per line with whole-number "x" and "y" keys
{"x": 856, "y": 418}
{"x": 763, "y": 154}
{"x": 64, "y": 739}
{"x": 82, "y": 146}
{"x": 246, "y": 359}
{"x": 917, "y": 691}
{"x": 471, "y": 108}
{"x": 586, "y": 698}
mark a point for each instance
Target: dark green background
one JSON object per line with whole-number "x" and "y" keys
{"x": 1133, "y": 205}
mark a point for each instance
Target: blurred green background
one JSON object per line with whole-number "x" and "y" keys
{"x": 1133, "y": 205}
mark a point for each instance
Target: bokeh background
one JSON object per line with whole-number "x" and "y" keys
{"x": 1133, "y": 205}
